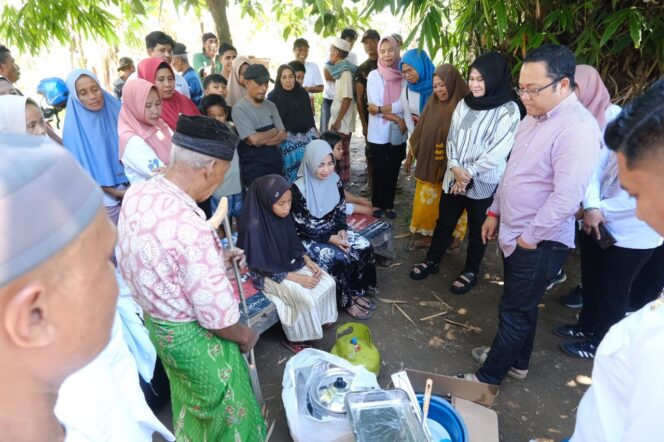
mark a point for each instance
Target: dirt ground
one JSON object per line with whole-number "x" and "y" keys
{"x": 543, "y": 406}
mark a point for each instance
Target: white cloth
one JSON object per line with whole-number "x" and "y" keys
{"x": 12, "y": 114}
{"x": 180, "y": 83}
{"x": 103, "y": 401}
{"x": 328, "y": 91}
{"x": 410, "y": 102}
{"x": 135, "y": 334}
{"x": 378, "y": 131}
{"x": 303, "y": 311}
{"x": 352, "y": 57}
{"x": 624, "y": 403}
{"x": 619, "y": 209}
{"x": 312, "y": 76}
{"x": 139, "y": 160}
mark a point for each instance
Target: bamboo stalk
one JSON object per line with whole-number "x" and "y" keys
{"x": 426, "y": 318}
{"x": 405, "y": 314}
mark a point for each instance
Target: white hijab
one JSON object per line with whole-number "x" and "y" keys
{"x": 322, "y": 196}
{"x": 12, "y": 114}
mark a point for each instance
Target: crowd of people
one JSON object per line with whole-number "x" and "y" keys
{"x": 540, "y": 166}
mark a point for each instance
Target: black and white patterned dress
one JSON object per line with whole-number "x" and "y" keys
{"x": 354, "y": 272}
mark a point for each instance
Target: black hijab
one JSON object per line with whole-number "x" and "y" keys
{"x": 270, "y": 243}
{"x": 497, "y": 82}
{"x": 294, "y": 106}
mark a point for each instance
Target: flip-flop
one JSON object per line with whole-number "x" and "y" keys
{"x": 366, "y": 304}
{"x": 295, "y": 347}
{"x": 367, "y": 313}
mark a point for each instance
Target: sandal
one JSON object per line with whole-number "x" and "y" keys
{"x": 295, "y": 347}
{"x": 467, "y": 280}
{"x": 363, "y": 315}
{"x": 366, "y": 304}
{"x": 424, "y": 269}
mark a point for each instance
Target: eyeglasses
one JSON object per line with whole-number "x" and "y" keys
{"x": 535, "y": 92}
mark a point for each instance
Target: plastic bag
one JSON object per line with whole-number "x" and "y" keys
{"x": 300, "y": 422}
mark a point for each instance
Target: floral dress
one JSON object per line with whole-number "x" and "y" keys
{"x": 354, "y": 272}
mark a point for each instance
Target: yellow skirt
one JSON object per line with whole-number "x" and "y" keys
{"x": 425, "y": 211}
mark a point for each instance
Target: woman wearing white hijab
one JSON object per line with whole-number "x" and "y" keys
{"x": 319, "y": 212}
{"x": 21, "y": 115}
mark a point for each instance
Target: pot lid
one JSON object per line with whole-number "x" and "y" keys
{"x": 329, "y": 391}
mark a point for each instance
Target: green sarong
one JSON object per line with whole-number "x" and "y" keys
{"x": 211, "y": 390}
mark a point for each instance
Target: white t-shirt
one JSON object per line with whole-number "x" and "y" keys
{"x": 139, "y": 160}
{"x": 624, "y": 402}
{"x": 378, "y": 131}
{"x": 330, "y": 89}
{"x": 312, "y": 76}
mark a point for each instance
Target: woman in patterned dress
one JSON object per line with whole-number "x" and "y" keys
{"x": 319, "y": 212}
{"x": 294, "y": 108}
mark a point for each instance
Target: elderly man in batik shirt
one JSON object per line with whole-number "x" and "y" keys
{"x": 173, "y": 262}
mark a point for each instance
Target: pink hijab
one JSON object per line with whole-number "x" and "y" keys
{"x": 391, "y": 74}
{"x": 132, "y": 120}
{"x": 592, "y": 92}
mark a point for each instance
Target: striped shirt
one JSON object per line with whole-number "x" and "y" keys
{"x": 480, "y": 141}
{"x": 553, "y": 158}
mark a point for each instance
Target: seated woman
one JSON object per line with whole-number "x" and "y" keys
{"x": 90, "y": 134}
{"x": 21, "y": 115}
{"x": 294, "y": 108}
{"x": 173, "y": 103}
{"x": 354, "y": 204}
{"x": 319, "y": 212}
{"x": 145, "y": 139}
{"x": 303, "y": 293}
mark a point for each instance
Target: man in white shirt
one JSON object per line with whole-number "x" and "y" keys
{"x": 624, "y": 402}
{"x": 313, "y": 80}
{"x": 350, "y": 36}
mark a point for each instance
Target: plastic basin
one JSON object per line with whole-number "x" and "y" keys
{"x": 443, "y": 413}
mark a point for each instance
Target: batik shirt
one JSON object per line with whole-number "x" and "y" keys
{"x": 171, "y": 258}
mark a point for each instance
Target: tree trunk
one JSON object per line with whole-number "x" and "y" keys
{"x": 218, "y": 11}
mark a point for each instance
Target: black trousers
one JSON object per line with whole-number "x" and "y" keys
{"x": 649, "y": 282}
{"x": 527, "y": 273}
{"x": 386, "y": 164}
{"x": 450, "y": 209}
{"x": 607, "y": 277}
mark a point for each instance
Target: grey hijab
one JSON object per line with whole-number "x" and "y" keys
{"x": 322, "y": 196}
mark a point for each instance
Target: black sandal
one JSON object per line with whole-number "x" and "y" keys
{"x": 424, "y": 269}
{"x": 468, "y": 281}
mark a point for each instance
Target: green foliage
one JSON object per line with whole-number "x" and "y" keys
{"x": 624, "y": 39}
{"x": 37, "y": 23}
{"x": 327, "y": 17}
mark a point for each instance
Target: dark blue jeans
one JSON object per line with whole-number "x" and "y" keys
{"x": 527, "y": 273}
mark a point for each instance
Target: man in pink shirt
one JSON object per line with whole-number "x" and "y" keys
{"x": 554, "y": 154}
{"x": 173, "y": 263}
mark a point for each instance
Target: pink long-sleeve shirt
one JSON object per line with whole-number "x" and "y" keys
{"x": 546, "y": 176}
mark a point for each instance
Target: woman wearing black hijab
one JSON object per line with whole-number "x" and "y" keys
{"x": 294, "y": 108}
{"x": 480, "y": 138}
{"x": 304, "y": 294}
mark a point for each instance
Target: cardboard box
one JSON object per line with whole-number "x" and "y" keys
{"x": 470, "y": 399}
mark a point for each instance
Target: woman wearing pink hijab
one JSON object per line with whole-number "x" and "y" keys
{"x": 145, "y": 139}
{"x": 387, "y": 133}
{"x": 610, "y": 271}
